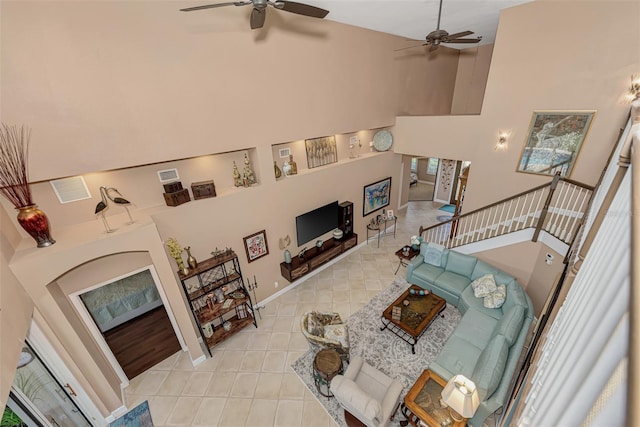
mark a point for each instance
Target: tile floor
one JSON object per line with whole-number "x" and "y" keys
{"x": 248, "y": 381}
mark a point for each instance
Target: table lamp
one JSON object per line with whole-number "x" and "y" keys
{"x": 461, "y": 397}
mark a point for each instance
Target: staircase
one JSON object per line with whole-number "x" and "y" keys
{"x": 557, "y": 208}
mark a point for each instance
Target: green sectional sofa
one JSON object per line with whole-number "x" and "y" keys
{"x": 487, "y": 343}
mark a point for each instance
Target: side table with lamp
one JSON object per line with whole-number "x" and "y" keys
{"x": 434, "y": 402}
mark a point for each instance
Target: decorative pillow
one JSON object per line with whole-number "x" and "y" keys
{"x": 329, "y": 318}
{"x": 314, "y": 325}
{"x": 337, "y": 333}
{"x": 433, "y": 254}
{"x": 349, "y": 391}
{"x": 496, "y": 298}
{"x": 483, "y": 286}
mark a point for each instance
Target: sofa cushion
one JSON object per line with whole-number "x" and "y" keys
{"x": 469, "y": 301}
{"x": 515, "y": 296}
{"x": 427, "y": 272}
{"x": 458, "y": 356}
{"x": 510, "y": 324}
{"x": 476, "y": 328}
{"x": 483, "y": 268}
{"x": 461, "y": 264}
{"x": 452, "y": 282}
{"x": 496, "y": 298}
{"x": 488, "y": 371}
{"x": 483, "y": 286}
{"x": 433, "y": 254}
{"x": 349, "y": 392}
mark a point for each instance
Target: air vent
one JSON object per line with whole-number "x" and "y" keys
{"x": 168, "y": 175}
{"x": 70, "y": 189}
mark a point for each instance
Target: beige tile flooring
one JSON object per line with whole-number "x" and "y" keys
{"x": 249, "y": 381}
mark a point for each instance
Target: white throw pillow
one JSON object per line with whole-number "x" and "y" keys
{"x": 496, "y": 299}
{"x": 484, "y": 285}
{"x": 337, "y": 333}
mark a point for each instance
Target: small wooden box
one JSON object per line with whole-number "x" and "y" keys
{"x": 203, "y": 189}
{"x": 172, "y": 187}
{"x": 177, "y": 198}
{"x": 396, "y": 312}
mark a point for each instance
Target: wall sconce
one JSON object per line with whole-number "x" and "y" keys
{"x": 503, "y": 137}
{"x": 634, "y": 89}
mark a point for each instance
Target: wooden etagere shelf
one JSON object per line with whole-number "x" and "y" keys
{"x": 217, "y": 297}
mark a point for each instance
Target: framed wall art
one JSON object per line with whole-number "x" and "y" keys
{"x": 321, "y": 151}
{"x": 553, "y": 141}
{"x": 256, "y": 245}
{"x": 376, "y": 196}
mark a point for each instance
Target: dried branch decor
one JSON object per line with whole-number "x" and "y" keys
{"x": 14, "y": 152}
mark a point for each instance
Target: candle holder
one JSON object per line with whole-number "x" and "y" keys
{"x": 252, "y": 287}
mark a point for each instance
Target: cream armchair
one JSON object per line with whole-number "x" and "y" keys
{"x": 367, "y": 394}
{"x": 326, "y": 330}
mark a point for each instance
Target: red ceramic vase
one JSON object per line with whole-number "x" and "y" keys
{"x": 35, "y": 222}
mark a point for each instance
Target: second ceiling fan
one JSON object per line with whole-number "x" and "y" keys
{"x": 438, "y": 36}
{"x": 259, "y": 11}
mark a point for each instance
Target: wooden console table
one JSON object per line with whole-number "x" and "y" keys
{"x": 316, "y": 256}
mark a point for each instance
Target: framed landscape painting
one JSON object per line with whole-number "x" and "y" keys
{"x": 256, "y": 245}
{"x": 376, "y": 196}
{"x": 554, "y": 141}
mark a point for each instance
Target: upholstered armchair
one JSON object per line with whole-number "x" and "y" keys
{"x": 326, "y": 330}
{"x": 366, "y": 394}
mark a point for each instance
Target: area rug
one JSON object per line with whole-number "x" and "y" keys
{"x": 448, "y": 208}
{"x": 384, "y": 350}
{"x": 140, "y": 416}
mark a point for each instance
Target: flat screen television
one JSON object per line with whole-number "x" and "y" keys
{"x": 315, "y": 223}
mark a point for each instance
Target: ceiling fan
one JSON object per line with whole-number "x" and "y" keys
{"x": 438, "y": 36}
{"x": 259, "y": 11}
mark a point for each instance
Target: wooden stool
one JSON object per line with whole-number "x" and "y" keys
{"x": 326, "y": 365}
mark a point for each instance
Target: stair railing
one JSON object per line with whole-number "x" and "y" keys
{"x": 556, "y": 207}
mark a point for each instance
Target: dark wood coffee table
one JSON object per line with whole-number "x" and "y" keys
{"x": 415, "y": 317}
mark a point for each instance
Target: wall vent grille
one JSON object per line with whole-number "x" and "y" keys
{"x": 70, "y": 189}
{"x": 168, "y": 175}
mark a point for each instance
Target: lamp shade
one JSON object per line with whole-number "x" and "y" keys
{"x": 460, "y": 394}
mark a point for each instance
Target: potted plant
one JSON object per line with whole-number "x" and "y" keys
{"x": 14, "y": 183}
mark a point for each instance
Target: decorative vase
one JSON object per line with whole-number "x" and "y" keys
{"x": 190, "y": 259}
{"x": 276, "y": 170}
{"x": 287, "y": 256}
{"x": 286, "y": 168}
{"x": 35, "y": 222}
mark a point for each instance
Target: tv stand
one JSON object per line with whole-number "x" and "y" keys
{"x": 316, "y": 256}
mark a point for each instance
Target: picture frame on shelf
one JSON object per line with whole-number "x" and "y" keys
{"x": 284, "y": 152}
{"x": 554, "y": 141}
{"x": 256, "y": 245}
{"x": 376, "y": 196}
{"x": 321, "y": 151}
{"x": 390, "y": 214}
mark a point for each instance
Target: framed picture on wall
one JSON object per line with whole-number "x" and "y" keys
{"x": 376, "y": 196}
{"x": 256, "y": 246}
{"x": 554, "y": 141}
{"x": 321, "y": 151}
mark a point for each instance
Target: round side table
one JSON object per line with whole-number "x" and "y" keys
{"x": 326, "y": 365}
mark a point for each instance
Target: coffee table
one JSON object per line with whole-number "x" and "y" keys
{"x": 414, "y": 317}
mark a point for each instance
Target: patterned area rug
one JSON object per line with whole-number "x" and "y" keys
{"x": 383, "y": 349}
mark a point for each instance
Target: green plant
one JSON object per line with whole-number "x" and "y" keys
{"x": 11, "y": 419}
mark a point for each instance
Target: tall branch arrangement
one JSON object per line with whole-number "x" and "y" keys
{"x": 14, "y": 152}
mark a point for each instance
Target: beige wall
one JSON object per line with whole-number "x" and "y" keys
{"x": 471, "y": 79}
{"x": 547, "y": 56}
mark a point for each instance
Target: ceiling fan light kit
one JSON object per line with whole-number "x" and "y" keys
{"x": 259, "y": 12}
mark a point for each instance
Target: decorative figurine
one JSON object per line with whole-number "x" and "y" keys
{"x": 294, "y": 166}
{"x": 247, "y": 174}
{"x": 276, "y": 170}
{"x": 237, "y": 178}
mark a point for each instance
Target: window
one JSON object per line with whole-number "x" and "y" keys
{"x": 414, "y": 164}
{"x": 432, "y": 165}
